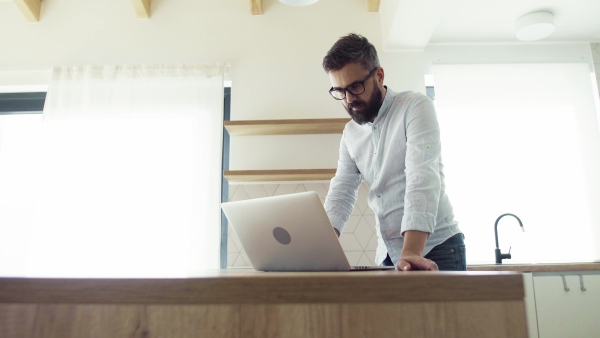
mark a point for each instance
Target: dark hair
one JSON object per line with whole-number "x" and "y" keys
{"x": 351, "y": 48}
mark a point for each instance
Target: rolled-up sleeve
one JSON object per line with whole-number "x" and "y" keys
{"x": 343, "y": 189}
{"x": 423, "y": 181}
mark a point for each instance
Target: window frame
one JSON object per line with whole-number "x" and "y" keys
{"x": 22, "y": 103}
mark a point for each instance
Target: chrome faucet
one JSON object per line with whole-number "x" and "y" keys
{"x": 499, "y": 255}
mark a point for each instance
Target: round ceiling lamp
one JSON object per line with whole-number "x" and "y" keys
{"x": 298, "y": 2}
{"x": 535, "y": 26}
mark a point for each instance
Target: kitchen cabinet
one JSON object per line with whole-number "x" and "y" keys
{"x": 282, "y": 127}
{"x": 530, "y": 312}
{"x": 551, "y": 310}
{"x": 567, "y": 304}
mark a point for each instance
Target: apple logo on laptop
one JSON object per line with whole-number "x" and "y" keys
{"x": 282, "y": 236}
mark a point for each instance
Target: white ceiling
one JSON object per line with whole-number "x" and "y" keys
{"x": 412, "y": 24}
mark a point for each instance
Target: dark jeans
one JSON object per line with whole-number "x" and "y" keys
{"x": 449, "y": 256}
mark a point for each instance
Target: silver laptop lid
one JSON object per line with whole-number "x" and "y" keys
{"x": 286, "y": 233}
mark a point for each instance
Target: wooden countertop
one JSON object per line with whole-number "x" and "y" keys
{"x": 542, "y": 267}
{"x": 249, "y": 286}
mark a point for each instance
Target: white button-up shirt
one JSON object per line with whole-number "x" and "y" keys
{"x": 399, "y": 157}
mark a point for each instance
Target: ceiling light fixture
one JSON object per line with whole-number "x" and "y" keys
{"x": 535, "y": 26}
{"x": 298, "y": 2}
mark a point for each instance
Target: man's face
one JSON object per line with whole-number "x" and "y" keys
{"x": 364, "y": 107}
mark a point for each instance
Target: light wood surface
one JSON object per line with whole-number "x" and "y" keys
{"x": 435, "y": 319}
{"x": 256, "y": 7}
{"x": 246, "y": 303}
{"x": 30, "y": 9}
{"x": 249, "y": 286}
{"x": 285, "y": 127}
{"x": 287, "y": 175}
{"x": 373, "y": 5}
{"x": 545, "y": 267}
{"x": 142, "y": 8}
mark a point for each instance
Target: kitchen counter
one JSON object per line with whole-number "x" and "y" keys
{"x": 541, "y": 267}
{"x": 247, "y": 303}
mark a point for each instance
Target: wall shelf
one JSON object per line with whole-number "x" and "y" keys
{"x": 288, "y": 175}
{"x": 282, "y": 127}
{"x": 285, "y": 127}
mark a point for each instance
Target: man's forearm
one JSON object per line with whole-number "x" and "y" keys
{"x": 411, "y": 256}
{"x": 414, "y": 243}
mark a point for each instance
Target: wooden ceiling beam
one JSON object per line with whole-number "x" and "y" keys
{"x": 30, "y": 9}
{"x": 373, "y": 5}
{"x": 142, "y": 8}
{"x": 256, "y": 7}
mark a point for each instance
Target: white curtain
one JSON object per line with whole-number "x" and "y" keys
{"x": 129, "y": 173}
{"x": 19, "y": 140}
{"x": 522, "y": 139}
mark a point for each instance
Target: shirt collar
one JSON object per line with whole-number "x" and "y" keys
{"x": 385, "y": 106}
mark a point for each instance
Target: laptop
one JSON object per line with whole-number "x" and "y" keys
{"x": 288, "y": 233}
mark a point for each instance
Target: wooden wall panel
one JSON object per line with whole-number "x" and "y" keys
{"x": 194, "y": 321}
{"x": 119, "y": 320}
{"x": 93, "y": 321}
{"x": 435, "y": 319}
{"x": 392, "y": 320}
{"x": 290, "y": 320}
{"x": 16, "y": 320}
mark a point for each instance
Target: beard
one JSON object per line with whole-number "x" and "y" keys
{"x": 369, "y": 110}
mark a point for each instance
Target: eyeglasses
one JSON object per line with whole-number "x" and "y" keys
{"x": 356, "y": 88}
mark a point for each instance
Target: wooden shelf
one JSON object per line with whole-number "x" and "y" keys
{"x": 278, "y": 175}
{"x": 282, "y": 127}
{"x": 285, "y": 127}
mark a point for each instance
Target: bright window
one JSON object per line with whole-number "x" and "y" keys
{"x": 522, "y": 139}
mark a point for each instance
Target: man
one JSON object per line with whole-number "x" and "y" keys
{"x": 393, "y": 143}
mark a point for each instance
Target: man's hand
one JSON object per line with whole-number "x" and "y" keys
{"x": 411, "y": 257}
{"x": 407, "y": 263}
{"x": 337, "y": 232}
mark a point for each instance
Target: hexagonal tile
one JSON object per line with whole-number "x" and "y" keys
{"x": 231, "y": 258}
{"x": 256, "y": 190}
{"x": 319, "y": 188}
{"x": 352, "y": 223}
{"x": 350, "y": 243}
{"x": 363, "y": 233}
{"x": 285, "y": 189}
{"x": 353, "y": 257}
{"x": 372, "y": 245}
{"x": 371, "y": 256}
{"x": 365, "y": 260}
{"x": 270, "y": 188}
{"x": 240, "y": 262}
{"x": 232, "y": 189}
{"x": 231, "y": 245}
{"x": 239, "y": 195}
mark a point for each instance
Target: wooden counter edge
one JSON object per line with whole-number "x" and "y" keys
{"x": 543, "y": 267}
{"x": 267, "y": 288}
